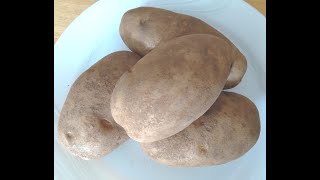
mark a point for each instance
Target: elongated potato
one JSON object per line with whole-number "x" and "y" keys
{"x": 144, "y": 28}
{"x": 86, "y": 127}
{"x": 229, "y": 129}
{"x": 171, "y": 86}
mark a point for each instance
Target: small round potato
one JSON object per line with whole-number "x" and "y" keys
{"x": 228, "y": 130}
{"x": 171, "y": 86}
{"x": 144, "y": 28}
{"x": 86, "y": 127}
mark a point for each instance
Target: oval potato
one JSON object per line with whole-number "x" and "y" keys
{"x": 144, "y": 28}
{"x": 86, "y": 127}
{"x": 171, "y": 86}
{"x": 228, "y": 130}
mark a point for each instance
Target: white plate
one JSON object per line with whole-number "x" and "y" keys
{"x": 94, "y": 34}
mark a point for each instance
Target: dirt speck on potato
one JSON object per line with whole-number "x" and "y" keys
{"x": 202, "y": 150}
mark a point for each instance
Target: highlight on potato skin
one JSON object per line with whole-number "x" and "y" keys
{"x": 171, "y": 86}
{"x": 144, "y": 28}
{"x": 86, "y": 127}
{"x": 229, "y": 129}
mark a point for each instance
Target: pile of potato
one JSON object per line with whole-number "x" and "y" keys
{"x": 167, "y": 94}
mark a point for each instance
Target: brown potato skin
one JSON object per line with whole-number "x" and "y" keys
{"x": 144, "y": 28}
{"x": 86, "y": 127}
{"x": 228, "y": 130}
{"x": 239, "y": 68}
{"x": 171, "y": 86}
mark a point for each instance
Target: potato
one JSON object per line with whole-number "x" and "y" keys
{"x": 171, "y": 86}
{"x": 239, "y": 68}
{"x": 228, "y": 130}
{"x": 143, "y": 28}
{"x": 86, "y": 127}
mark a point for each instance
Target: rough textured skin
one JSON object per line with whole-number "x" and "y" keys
{"x": 143, "y": 28}
{"x": 171, "y": 86}
{"x": 228, "y": 130}
{"x": 86, "y": 127}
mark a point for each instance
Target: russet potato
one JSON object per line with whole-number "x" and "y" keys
{"x": 228, "y": 130}
{"x": 86, "y": 127}
{"x": 171, "y": 86}
{"x": 144, "y": 28}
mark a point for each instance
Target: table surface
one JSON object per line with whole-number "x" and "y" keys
{"x": 65, "y": 11}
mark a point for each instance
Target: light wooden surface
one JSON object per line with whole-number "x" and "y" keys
{"x": 65, "y": 11}
{"x": 260, "y": 5}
